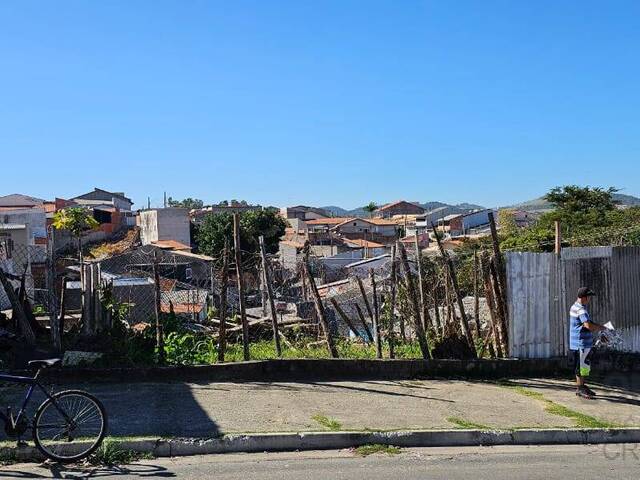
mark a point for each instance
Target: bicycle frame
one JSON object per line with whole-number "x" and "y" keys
{"x": 32, "y": 382}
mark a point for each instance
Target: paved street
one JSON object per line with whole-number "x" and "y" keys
{"x": 478, "y": 463}
{"x": 209, "y": 409}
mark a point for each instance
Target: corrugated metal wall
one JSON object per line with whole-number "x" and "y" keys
{"x": 542, "y": 287}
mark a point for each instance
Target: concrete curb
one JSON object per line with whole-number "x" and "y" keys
{"x": 273, "y": 442}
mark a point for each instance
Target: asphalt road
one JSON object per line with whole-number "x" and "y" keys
{"x": 477, "y": 463}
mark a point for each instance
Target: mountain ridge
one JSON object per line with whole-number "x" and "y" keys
{"x": 338, "y": 211}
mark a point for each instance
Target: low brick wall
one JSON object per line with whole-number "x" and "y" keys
{"x": 320, "y": 370}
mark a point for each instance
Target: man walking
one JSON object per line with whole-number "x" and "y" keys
{"x": 581, "y": 330}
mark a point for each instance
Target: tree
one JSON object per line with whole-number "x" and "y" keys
{"x": 215, "y": 228}
{"x": 507, "y": 221}
{"x": 370, "y": 208}
{"x": 75, "y": 220}
{"x": 190, "y": 203}
{"x": 581, "y": 203}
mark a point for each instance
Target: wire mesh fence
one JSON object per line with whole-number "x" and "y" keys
{"x": 361, "y": 298}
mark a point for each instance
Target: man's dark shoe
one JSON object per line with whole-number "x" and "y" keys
{"x": 589, "y": 391}
{"x": 581, "y": 392}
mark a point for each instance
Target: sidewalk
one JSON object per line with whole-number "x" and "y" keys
{"x": 213, "y": 409}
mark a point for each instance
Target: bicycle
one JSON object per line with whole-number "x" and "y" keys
{"x": 68, "y": 426}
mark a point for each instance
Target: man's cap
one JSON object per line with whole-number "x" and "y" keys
{"x": 585, "y": 292}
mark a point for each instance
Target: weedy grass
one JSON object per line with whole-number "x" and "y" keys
{"x": 111, "y": 453}
{"x": 366, "y": 450}
{"x": 581, "y": 420}
{"x": 466, "y": 424}
{"x": 8, "y": 456}
{"x": 329, "y": 423}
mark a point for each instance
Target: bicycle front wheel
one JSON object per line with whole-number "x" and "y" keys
{"x": 69, "y": 426}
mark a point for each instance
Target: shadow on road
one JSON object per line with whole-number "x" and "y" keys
{"x": 62, "y": 471}
{"x": 139, "y": 409}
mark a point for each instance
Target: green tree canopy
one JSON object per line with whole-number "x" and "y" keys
{"x": 190, "y": 203}
{"x": 370, "y": 208}
{"x": 215, "y": 228}
{"x": 588, "y": 217}
{"x": 574, "y": 204}
{"x": 76, "y": 220}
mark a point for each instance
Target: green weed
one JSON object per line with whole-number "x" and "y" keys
{"x": 465, "y": 424}
{"x": 580, "y": 419}
{"x": 327, "y": 422}
{"x": 111, "y": 453}
{"x": 366, "y": 450}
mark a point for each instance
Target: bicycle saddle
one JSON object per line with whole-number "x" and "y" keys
{"x": 51, "y": 362}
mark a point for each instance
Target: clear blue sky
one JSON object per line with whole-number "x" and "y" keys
{"x": 319, "y": 102}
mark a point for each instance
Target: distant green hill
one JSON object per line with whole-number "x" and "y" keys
{"x": 360, "y": 212}
{"x": 540, "y": 204}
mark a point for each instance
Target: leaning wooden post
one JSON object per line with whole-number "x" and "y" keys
{"x": 464, "y": 323}
{"x": 435, "y": 296}
{"x": 376, "y": 314}
{"x": 500, "y": 267}
{"x": 488, "y": 292}
{"x": 266, "y": 275}
{"x": 558, "y": 242}
{"x": 158, "y": 311}
{"x": 476, "y": 298}
{"x": 366, "y": 300}
{"x": 502, "y": 314}
{"x": 363, "y": 321}
{"x": 18, "y": 311}
{"x": 345, "y": 318}
{"x": 224, "y": 285}
{"x": 241, "y": 299}
{"x": 411, "y": 288}
{"x": 61, "y": 314}
{"x": 424, "y": 307}
{"x": 333, "y": 351}
{"x": 392, "y": 306}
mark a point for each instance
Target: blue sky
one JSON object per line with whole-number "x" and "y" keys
{"x": 319, "y": 102}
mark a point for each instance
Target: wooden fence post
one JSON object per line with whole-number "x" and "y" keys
{"x": 464, "y": 324}
{"x": 18, "y": 311}
{"x": 224, "y": 285}
{"x": 346, "y": 318}
{"x": 366, "y": 300}
{"x": 411, "y": 291}
{"x": 500, "y": 268}
{"x": 333, "y": 351}
{"x": 488, "y": 292}
{"x": 266, "y": 275}
{"x": 59, "y": 335}
{"x": 392, "y": 306}
{"x": 476, "y": 299}
{"x": 424, "y": 307}
{"x": 502, "y": 314}
{"x": 376, "y": 314}
{"x": 435, "y": 295}
{"x": 158, "y": 309}
{"x": 241, "y": 299}
{"x": 363, "y": 321}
